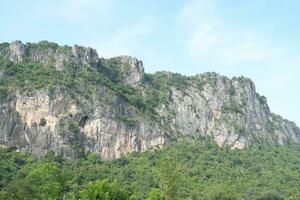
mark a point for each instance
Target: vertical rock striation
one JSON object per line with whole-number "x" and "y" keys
{"x": 127, "y": 109}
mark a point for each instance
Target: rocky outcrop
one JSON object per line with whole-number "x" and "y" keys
{"x": 18, "y": 51}
{"x": 50, "y": 53}
{"x": 230, "y": 111}
{"x": 130, "y": 69}
{"x": 111, "y": 124}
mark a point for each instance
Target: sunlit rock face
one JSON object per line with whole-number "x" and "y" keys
{"x": 111, "y": 125}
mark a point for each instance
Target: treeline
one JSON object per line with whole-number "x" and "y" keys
{"x": 184, "y": 171}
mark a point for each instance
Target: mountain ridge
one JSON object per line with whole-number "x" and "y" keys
{"x": 68, "y": 100}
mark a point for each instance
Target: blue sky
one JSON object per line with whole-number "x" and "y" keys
{"x": 257, "y": 39}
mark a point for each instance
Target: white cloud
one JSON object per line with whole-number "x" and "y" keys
{"x": 208, "y": 36}
{"x": 203, "y": 40}
{"x": 284, "y": 78}
{"x": 228, "y": 48}
{"x": 281, "y": 87}
{"x": 124, "y": 41}
{"x": 75, "y": 9}
{"x": 197, "y": 12}
{"x": 214, "y": 41}
{"x": 236, "y": 50}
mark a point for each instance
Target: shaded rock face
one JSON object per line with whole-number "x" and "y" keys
{"x": 132, "y": 68}
{"x": 40, "y": 124}
{"x": 50, "y": 53}
{"x": 228, "y": 110}
{"x": 17, "y": 50}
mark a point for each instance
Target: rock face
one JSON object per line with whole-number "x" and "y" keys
{"x": 134, "y": 112}
{"x": 52, "y": 54}
{"x": 131, "y": 70}
{"x": 17, "y": 50}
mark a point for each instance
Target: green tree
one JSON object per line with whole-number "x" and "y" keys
{"x": 156, "y": 194}
{"x": 102, "y": 190}
{"x": 270, "y": 196}
{"x": 169, "y": 179}
{"x": 18, "y": 190}
{"x": 220, "y": 192}
{"x": 46, "y": 180}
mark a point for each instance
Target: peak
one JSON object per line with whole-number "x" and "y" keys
{"x": 210, "y": 75}
{"x": 17, "y": 51}
{"x": 128, "y": 60}
{"x": 16, "y": 42}
{"x": 111, "y": 117}
{"x": 131, "y": 68}
{"x": 45, "y": 52}
{"x": 79, "y": 51}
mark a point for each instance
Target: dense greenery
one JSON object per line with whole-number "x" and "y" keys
{"x": 183, "y": 171}
{"x": 81, "y": 83}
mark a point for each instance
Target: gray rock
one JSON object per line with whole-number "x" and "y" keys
{"x": 228, "y": 110}
{"x": 17, "y": 51}
{"x": 50, "y": 53}
{"x": 132, "y": 69}
{"x": 84, "y": 55}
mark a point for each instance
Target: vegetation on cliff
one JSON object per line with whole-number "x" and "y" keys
{"x": 183, "y": 171}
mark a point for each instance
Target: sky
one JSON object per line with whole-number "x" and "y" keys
{"x": 256, "y": 39}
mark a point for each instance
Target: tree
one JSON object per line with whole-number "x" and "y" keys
{"x": 18, "y": 190}
{"x": 220, "y": 192}
{"x": 169, "y": 178}
{"x": 102, "y": 190}
{"x": 156, "y": 194}
{"x": 46, "y": 180}
{"x": 270, "y": 196}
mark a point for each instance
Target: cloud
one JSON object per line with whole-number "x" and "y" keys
{"x": 226, "y": 47}
{"x": 125, "y": 40}
{"x": 203, "y": 40}
{"x": 209, "y": 36}
{"x": 281, "y": 87}
{"x": 101, "y": 21}
{"x": 197, "y": 12}
{"x": 236, "y": 50}
{"x": 284, "y": 77}
{"x": 75, "y": 9}
{"x": 213, "y": 40}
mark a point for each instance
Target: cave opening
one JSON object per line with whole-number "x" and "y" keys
{"x": 83, "y": 121}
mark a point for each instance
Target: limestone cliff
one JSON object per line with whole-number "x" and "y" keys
{"x": 70, "y": 101}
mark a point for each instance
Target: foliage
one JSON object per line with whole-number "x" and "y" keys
{"x": 80, "y": 83}
{"x": 270, "y": 126}
{"x": 270, "y": 196}
{"x": 233, "y": 108}
{"x": 73, "y": 127}
{"x": 101, "y": 190}
{"x": 169, "y": 179}
{"x": 156, "y": 194}
{"x": 130, "y": 120}
{"x": 46, "y": 180}
{"x": 183, "y": 171}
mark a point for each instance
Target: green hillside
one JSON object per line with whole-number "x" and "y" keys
{"x": 183, "y": 171}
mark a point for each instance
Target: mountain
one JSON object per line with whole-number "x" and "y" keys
{"x": 70, "y": 101}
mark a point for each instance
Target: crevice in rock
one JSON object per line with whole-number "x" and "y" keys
{"x": 83, "y": 120}
{"x": 43, "y": 122}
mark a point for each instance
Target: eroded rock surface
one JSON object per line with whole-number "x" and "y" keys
{"x": 111, "y": 124}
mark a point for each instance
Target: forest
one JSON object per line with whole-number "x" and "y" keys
{"x": 185, "y": 170}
